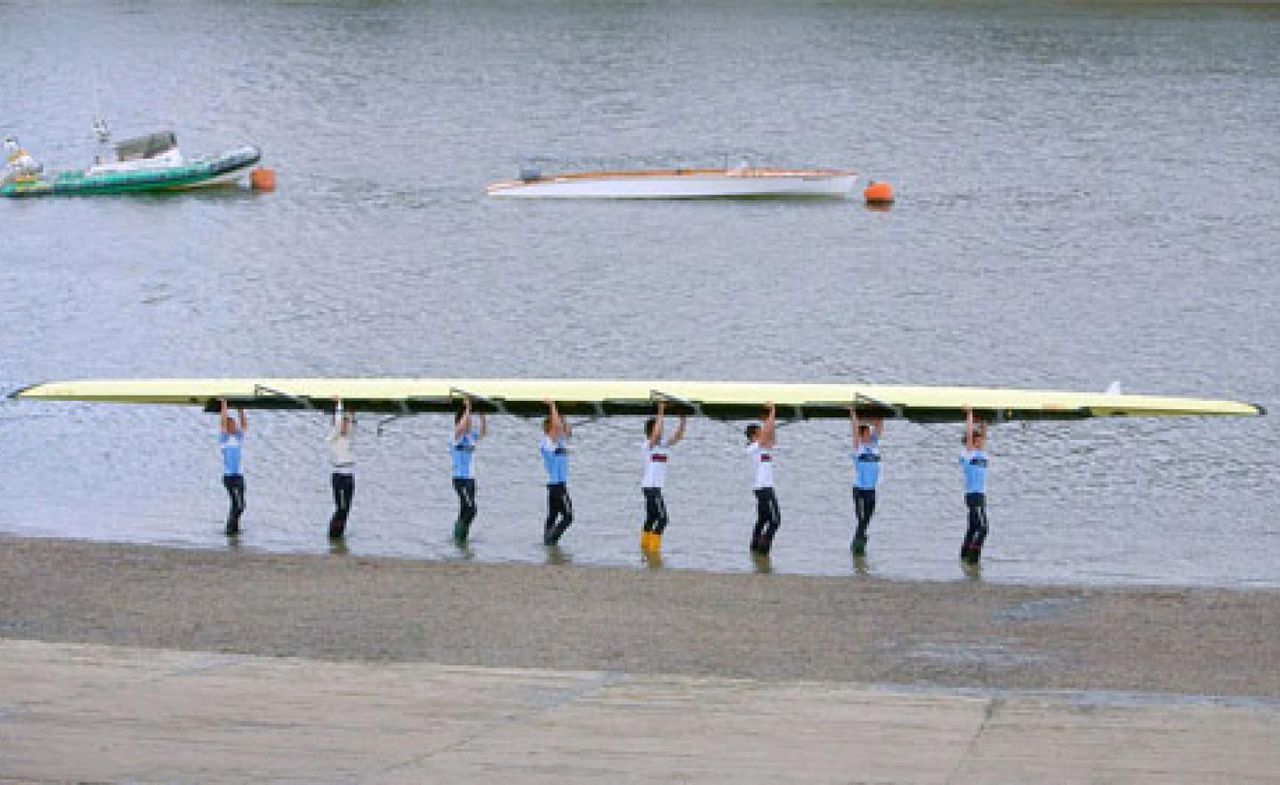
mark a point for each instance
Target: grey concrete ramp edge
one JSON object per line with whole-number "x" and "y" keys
{"x": 91, "y": 713}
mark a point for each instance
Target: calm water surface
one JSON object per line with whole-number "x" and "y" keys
{"x": 1087, "y": 193}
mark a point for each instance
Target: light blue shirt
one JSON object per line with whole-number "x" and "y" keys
{"x": 231, "y": 444}
{"x": 866, "y": 462}
{"x": 555, "y": 457}
{"x": 974, "y": 463}
{"x": 464, "y": 455}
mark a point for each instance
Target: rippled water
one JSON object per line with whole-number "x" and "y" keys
{"x": 1087, "y": 193}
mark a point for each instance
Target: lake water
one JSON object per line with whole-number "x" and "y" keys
{"x": 1087, "y": 192}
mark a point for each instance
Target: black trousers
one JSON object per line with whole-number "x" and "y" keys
{"x": 977, "y": 532}
{"x": 234, "y": 483}
{"x": 768, "y": 519}
{"x": 344, "y": 488}
{"x": 864, "y": 506}
{"x": 466, "y": 490}
{"x": 655, "y": 511}
{"x": 559, "y": 513}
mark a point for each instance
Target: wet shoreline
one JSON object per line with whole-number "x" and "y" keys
{"x": 1183, "y": 641}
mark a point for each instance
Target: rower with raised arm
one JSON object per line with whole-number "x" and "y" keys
{"x": 555, "y": 459}
{"x": 866, "y": 462}
{"x": 974, "y": 462}
{"x": 762, "y": 438}
{"x": 231, "y": 442}
{"x": 343, "y": 478}
{"x": 655, "y": 449}
{"x": 466, "y": 433}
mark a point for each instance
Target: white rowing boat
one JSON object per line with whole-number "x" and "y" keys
{"x": 740, "y": 182}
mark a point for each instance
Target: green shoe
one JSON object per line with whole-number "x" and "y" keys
{"x": 859, "y": 546}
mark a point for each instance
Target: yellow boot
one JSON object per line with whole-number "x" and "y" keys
{"x": 655, "y": 542}
{"x": 645, "y": 540}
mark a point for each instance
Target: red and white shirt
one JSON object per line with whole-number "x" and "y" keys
{"x": 763, "y": 460}
{"x": 655, "y": 463}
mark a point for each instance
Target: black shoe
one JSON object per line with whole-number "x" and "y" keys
{"x": 859, "y": 546}
{"x": 233, "y": 528}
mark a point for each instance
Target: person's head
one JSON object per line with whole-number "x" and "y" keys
{"x": 458, "y": 415}
{"x": 864, "y": 432}
{"x": 752, "y": 431}
{"x": 229, "y": 424}
{"x": 979, "y": 436}
{"x": 546, "y": 425}
{"x": 648, "y": 426}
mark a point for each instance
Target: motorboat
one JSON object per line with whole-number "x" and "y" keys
{"x": 738, "y": 182}
{"x": 145, "y": 163}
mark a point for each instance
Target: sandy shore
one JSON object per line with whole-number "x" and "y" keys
{"x": 74, "y": 712}
{"x": 769, "y": 627}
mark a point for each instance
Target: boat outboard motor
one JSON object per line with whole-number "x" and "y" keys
{"x": 530, "y": 174}
{"x": 18, "y": 162}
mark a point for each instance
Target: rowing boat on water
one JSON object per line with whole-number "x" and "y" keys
{"x": 739, "y": 182}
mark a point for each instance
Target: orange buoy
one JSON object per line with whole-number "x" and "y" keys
{"x": 878, "y": 193}
{"x": 263, "y": 179}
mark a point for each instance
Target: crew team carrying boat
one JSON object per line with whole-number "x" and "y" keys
{"x": 975, "y": 407}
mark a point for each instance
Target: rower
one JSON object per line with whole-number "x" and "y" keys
{"x": 555, "y": 459}
{"x": 343, "y": 478}
{"x": 231, "y": 442}
{"x": 655, "y": 449}
{"x": 866, "y": 462}
{"x": 463, "y": 450}
{"x": 974, "y": 462}
{"x": 762, "y": 438}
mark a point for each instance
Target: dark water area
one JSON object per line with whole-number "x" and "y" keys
{"x": 1087, "y": 193}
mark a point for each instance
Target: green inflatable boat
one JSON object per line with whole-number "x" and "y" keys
{"x": 147, "y": 163}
